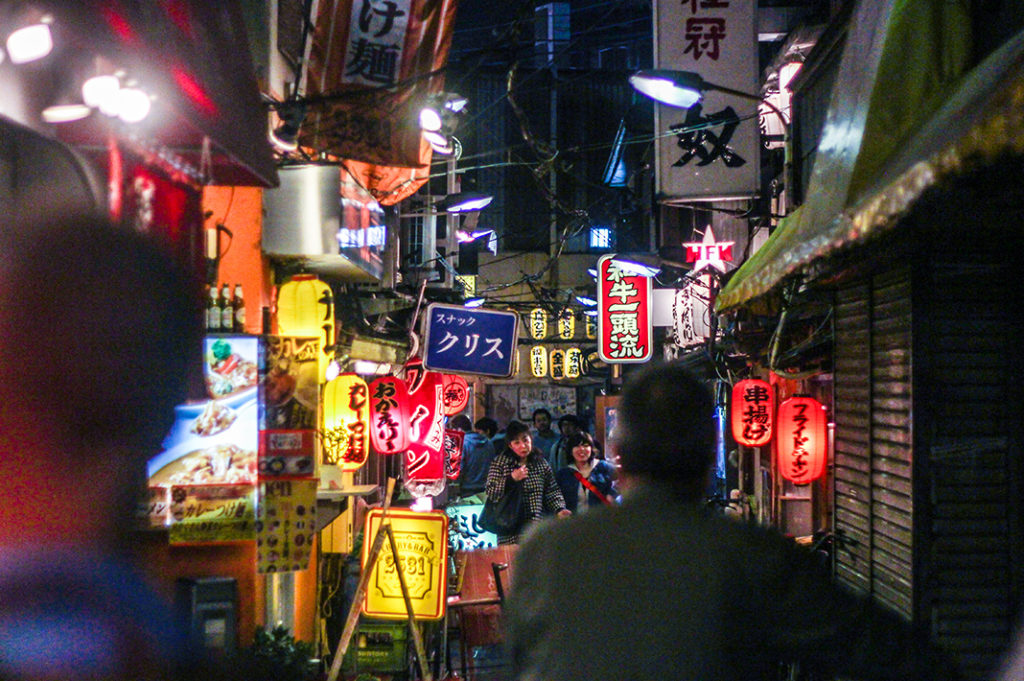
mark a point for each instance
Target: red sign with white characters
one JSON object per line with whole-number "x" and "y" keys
{"x": 424, "y": 457}
{"x": 456, "y": 394}
{"x": 389, "y": 415}
{"x": 802, "y": 439}
{"x": 624, "y": 314}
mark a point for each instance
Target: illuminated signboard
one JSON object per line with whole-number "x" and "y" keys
{"x": 624, "y": 327}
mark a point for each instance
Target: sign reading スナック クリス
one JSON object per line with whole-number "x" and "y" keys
{"x": 624, "y": 314}
{"x": 470, "y": 340}
{"x": 712, "y": 149}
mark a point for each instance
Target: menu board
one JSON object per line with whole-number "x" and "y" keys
{"x": 285, "y": 525}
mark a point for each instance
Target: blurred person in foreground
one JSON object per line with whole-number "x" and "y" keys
{"x": 520, "y": 463}
{"x": 96, "y": 331}
{"x": 660, "y": 588}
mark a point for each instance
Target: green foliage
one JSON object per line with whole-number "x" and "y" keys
{"x": 276, "y": 656}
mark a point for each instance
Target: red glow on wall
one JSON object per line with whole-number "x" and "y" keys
{"x": 802, "y": 439}
{"x": 122, "y": 29}
{"x": 752, "y": 412}
{"x": 194, "y": 91}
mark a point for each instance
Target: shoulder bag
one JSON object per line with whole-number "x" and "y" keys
{"x": 590, "y": 486}
{"x": 505, "y": 515}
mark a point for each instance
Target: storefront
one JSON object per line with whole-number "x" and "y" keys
{"x": 912, "y": 237}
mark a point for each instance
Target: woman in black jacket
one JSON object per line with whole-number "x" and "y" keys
{"x": 520, "y": 463}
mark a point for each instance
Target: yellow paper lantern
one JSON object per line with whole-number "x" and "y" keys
{"x": 591, "y": 326}
{"x": 538, "y": 323}
{"x": 346, "y": 422}
{"x": 558, "y": 363}
{"x": 305, "y": 307}
{"x": 573, "y": 362}
{"x": 566, "y": 325}
{"x": 538, "y": 362}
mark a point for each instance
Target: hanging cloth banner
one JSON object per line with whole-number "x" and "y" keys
{"x": 372, "y": 65}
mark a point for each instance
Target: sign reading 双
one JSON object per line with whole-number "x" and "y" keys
{"x": 624, "y": 309}
{"x": 470, "y": 340}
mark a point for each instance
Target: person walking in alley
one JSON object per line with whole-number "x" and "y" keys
{"x": 96, "y": 333}
{"x": 661, "y": 588}
{"x": 477, "y": 453}
{"x": 587, "y": 481}
{"x": 520, "y": 463}
{"x": 543, "y": 436}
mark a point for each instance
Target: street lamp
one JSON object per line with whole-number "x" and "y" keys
{"x": 683, "y": 89}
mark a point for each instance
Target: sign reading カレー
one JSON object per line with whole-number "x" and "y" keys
{"x": 624, "y": 314}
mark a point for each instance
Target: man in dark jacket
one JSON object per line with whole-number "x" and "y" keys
{"x": 659, "y": 588}
{"x": 477, "y": 452}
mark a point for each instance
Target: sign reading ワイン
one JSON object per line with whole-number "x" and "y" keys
{"x": 624, "y": 314}
{"x": 470, "y": 340}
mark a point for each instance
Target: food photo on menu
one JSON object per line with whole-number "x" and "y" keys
{"x": 215, "y": 441}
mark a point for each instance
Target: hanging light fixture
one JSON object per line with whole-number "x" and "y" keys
{"x": 30, "y": 43}
{"x": 285, "y": 136}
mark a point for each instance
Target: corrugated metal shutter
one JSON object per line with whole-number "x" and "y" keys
{"x": 873, "y": 438}
{"x": 973, "y": 504}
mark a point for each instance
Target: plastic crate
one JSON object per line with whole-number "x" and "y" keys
{"x": 378, "y": 646}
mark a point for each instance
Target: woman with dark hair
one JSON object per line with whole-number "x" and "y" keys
{"x": 587, "y": 481}
{"x": 520, "y": 463}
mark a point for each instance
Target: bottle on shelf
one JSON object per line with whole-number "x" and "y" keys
{"x": 227, "y": 312}
{"x": 213, "y": 311}
{"x": 238, "y": 305}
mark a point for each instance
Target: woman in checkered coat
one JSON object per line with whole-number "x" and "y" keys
{"x": 522, "y": 464}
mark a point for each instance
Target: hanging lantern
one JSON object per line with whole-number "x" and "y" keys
{"x": 346, "y": 422}
{"x": 753, "y": 407}
{"x": 566, "y": 325}
{"x": 424, "y": 457}
{"x": 573, "y": 362}
{"x": 591, "y": 326}
{"x": 538, "y": 323}
{"x": 389, "y": 415}
{"x": 453, "y": 453}
{"x": 557, "y": 363}
{"x": 802, "y": 439}
{"x": 456, "y": 394}
{"x": 305, "y": 307}
{"x": 538, "y": 361}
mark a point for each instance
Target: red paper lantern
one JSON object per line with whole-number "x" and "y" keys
{"x": 753, "y": 408}
{"x": 802, "y": 439}
{"x": 389, "y": 415}
{"x": 456, "y": 394}
{"x": 424, "y": 457}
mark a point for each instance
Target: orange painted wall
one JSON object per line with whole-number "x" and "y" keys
{"x": 240, "y": 210}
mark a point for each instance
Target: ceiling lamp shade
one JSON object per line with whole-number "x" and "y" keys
{"x": 346, "y": 422}
{"x": 132, "y": 105}
{"x": 65, "y": 111}
{"x": 100, "y": 92}
{"x": 802, "y": 439}
{"x": 285, "y": 136}
{"x": 680, "y": 89}
{"x": 30, "y": 43}
{"x": 753, "y": 407}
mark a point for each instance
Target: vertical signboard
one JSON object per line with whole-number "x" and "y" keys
{"x": 711, "y": 149}
{"x": 624, "y": 314}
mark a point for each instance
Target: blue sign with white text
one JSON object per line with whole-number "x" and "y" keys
{"x": 470, "y": 340}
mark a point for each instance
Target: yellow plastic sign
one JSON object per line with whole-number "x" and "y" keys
{"x": 422, "y": 541}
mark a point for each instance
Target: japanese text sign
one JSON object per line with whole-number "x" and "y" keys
{"x": 753, "y": 407}
{"x": 285, "y": 525}
{"x": 453, "y": 440}
{"x": 346, "y": 422}
{"x": 456, "y": 394}
{"x": 624, "y": 325}
{"x": 712, "y": 151}
{"x": 538, "y": 323}
{"x": 538, "y": 361}
{"x": 389, "y": 415}
{"x": 802, "y": 439}
{"x": 424, "y": 457}
{"x": 470, "y": 340}
{"x": 422, "y": 542}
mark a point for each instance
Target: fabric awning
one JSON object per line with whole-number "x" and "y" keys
{"x": 871, "y": 170}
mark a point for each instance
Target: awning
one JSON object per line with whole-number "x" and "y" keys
{"x": 852, "y": 196}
